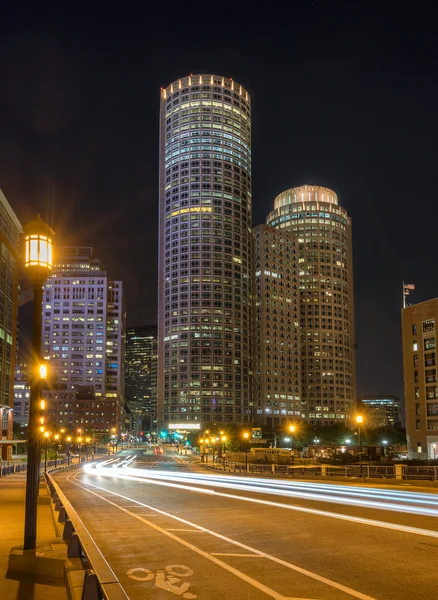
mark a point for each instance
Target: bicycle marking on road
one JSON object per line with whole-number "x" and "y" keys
{"x": 166, "y": 579}
{"x": 209, "y": 556}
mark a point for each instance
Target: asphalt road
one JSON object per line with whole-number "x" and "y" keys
{"x": 170, "y": 528}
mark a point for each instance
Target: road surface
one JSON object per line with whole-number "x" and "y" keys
{"x": 170, "y": 528}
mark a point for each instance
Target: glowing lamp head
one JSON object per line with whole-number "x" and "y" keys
{"x": 292, "y": 428}
{"x": 359, "y": 419}
{"x": 246, "y": 435}
{"x": 43, "y": 371}
{"x": 68, "y": 439}
{"x": 224, "y": 438}
{"x": 46, "y": 434}
{"x": 38, "y": 249}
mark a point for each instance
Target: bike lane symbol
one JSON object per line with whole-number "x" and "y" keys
{"x": 168, "y": 579}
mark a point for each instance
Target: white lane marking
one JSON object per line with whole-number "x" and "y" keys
{"x": 183, "y": 530}
{"x": 219, "y": 562}
{"x": 313, "y": 511}
{"x": 235, "y": 554}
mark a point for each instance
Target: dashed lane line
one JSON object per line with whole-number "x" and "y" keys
{"x": 257, "y": 584}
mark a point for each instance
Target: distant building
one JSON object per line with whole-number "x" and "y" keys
{"x": 277, "y": 372}
{"x": 382, "y": 410}
{"x": 21, "y": 394}
{"x": 10, "y": 229}
{"x": 419, "y": 327}
{"x": 84, "y": 344}
{"x": 141, "y": 376}
{"x": 325, "y": 279}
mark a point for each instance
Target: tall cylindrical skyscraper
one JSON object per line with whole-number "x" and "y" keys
{"x": 204, "y": 297}
{"x": 325, "y": 276}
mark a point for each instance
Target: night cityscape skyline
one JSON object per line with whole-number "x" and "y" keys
{"x": 355, "y": 117}
{"x": 218, "y": 308}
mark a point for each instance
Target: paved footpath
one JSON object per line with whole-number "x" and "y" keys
{"x": 24, "y": 586}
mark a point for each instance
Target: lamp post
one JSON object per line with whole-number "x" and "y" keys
{"x": 88, "y": 446}
{"x": 246, "y": 437}
{"x": 56, "y": 449}
{"x": 67, "y": 450}
{"x": 224, "y": 439}
{"x": 292, "y": 431}
{"x": 79, "y": 448}
{"x": 38, "y": 263}
{"x": 359, "y": 420}
{"x": 46, "y": 437}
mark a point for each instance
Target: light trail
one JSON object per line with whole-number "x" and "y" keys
{"x": 389, "y": 500}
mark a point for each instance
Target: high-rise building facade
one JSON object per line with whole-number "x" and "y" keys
{"x": 10, "y": 229}
{"x": 276, "y": 316}
{"x": 140, "y": 376}
{"x": 387, "y": 405}
{"x": 419, "y": 339}
{"x": 84, "y": 343}
{"x": 21, "y": 393}
{"x": 205, "y": 235}
{"x": 325, "y": 275}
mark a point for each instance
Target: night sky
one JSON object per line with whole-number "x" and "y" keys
{"x": 344, "y": 95}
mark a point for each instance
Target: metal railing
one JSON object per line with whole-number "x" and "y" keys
{"x": 100, "y": 581}
{"x": 364, "y": 471}
{"x": 12, "y": 468}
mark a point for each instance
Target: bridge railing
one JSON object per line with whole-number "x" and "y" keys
{"x": 10, "y": 468}
{"x": 364, "y": 471}
{"x": 99, "y": 581}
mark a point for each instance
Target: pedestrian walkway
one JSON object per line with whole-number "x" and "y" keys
{"x": 24, "y": 586}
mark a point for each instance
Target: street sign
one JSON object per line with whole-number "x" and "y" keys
{"x": 256, "y": 433}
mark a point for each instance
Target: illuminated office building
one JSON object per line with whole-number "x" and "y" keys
{"x": 21, "y": 393}
{"x": 276, "y": 315}
{"x": 205, "y": 235}
{"x": 84, "y": 343}
{"x": 10, "y": 229}
{"x": 419, "y": 339}
{"x": 325, "y": 275}
{"x": 140, "y": 376}
{"x": 384, "y": 405}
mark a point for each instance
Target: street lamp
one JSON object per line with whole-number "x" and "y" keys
{"x": 88, "y": 446}
{"x": 38, "y": 263}
{"x": 202, "y": 448}
{"x": 56, "y": 449}
{"x": 79, "y": 448}
{"x": 224, "y": 439}
{"x": 46, "y": 437}
{"x": 359, "y": 420}
{"x": 246, "y": 437}
{"x": 292, "y": 431}
{"x": 67, "y": 450}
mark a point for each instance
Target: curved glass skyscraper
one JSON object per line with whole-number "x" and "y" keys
{"x": 325, "y": 276}
{"x": 204, "y": 314}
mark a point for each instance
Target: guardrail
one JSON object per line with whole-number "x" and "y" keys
{"x": 99, "y": 581}
{"x": 364, "y": 471}
{"x": 10, "y": 469}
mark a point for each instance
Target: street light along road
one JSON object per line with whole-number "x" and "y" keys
{"x": 38, "y": 264}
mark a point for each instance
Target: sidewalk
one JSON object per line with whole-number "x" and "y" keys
{"x": 25, "y": 586}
